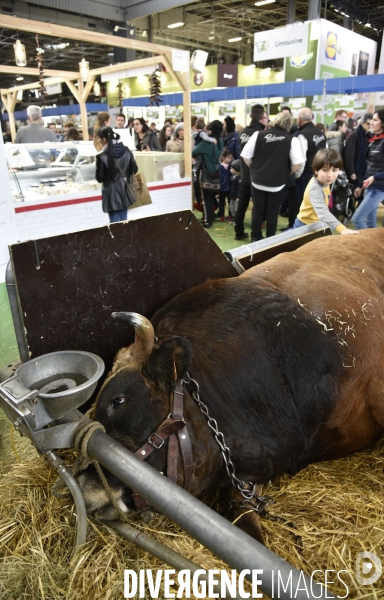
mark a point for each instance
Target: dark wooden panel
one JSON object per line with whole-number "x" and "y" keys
{"x": 70, "y": 284}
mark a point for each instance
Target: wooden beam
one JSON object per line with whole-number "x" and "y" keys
{"x": 87, "y": 88}
{"x": 74, "y": 90}
{"x": 33, "y": 71}
{"x": 68, "y": 76}
{"x": 93, "y": 37}
{"x": 34, "y": 86}
{"x": 133, "y": 64}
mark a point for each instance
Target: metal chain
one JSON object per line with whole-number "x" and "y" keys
{"x": 247, "y": 489}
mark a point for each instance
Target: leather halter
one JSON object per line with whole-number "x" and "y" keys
{"x": 174, "y": 428}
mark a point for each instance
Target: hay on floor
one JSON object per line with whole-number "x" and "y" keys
{"x": 327, "y": 514}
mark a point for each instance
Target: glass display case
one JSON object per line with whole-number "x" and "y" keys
{"x": 40, "y": 170}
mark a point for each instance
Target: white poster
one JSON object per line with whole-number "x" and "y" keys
{"x": 381, "y": 62}
{"x": 19, "y": 157}
{"x": 285, "y": 41}
{"x": 379, "y": 98}
{"x": 180, "y": 60}
{"x": 343, "y": 53}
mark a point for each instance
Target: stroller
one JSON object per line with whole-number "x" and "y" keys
{"x": 343, "y": 199}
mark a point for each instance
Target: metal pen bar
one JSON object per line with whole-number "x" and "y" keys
{"x": 16, "y": 313}
{"x": 167, "y": 555}
{"x": 226, "y": 541}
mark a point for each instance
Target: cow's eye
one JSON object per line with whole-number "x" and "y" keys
{"x": 118, "y": 401}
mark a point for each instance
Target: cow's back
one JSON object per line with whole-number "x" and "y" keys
{"x": 293, "y": 346}
{"x": 340, "y": 281}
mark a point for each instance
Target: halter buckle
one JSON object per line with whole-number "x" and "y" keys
{"x": 153, "y": 443}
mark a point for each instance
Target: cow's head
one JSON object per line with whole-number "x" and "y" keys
{"x": 135, "y": 397}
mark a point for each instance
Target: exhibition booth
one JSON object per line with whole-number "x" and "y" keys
{"x": 50, "y": 189}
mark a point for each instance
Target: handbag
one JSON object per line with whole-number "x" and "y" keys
{"x": 129, "y": 186}
{"x": 210, "y": 180}
{"x": 141, "y": 188}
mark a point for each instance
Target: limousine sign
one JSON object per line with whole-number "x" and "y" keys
{"x": 285, "y": 41}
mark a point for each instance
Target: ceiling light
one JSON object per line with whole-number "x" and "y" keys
{"x": 111, "y": 54}
{"x": 173, "y": 25}
{"x": 84, "y": 69}
{"x": 96, "y": 88}
{"x": 20, "y": 55}
{"x": 132, "y": 31}
{"x": 145, "y": 33}
{"x": 261, "y": 2}
{"x": 211, "y": 37}
{"x": 368, "y": 24}
{"x": 56, "y": 46}
{"x": 20, "y": 78}
{"x": 238, "y": 39}
{"x": 116, "y": 28}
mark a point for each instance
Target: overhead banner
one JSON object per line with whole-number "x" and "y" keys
{"x": 278, "y": 43}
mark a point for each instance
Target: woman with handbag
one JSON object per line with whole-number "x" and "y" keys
{"x": 210, "y": 173}
{"x": 115, "y": 165}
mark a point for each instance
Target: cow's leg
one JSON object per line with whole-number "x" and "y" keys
{"x": 247, "y": 520}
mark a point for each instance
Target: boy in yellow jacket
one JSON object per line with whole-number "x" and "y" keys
{"x": 314, "y": 207}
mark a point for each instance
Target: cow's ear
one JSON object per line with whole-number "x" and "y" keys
{"x": 169, "y": 362}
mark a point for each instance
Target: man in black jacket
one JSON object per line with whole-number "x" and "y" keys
{"x": 311, "y": 141}
{"x": 355, "y": 152}
{"x": 272, "y": 156}
{"x": 257, "y": 116}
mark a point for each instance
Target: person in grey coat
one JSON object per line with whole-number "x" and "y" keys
{"x": 114, "y": 165}
{"x": 336, "y": 139}
{"x": 35, "y": 132}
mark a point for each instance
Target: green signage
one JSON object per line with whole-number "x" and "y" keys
{"x": 302, "y": 67}
{"x": 227, "y": 109}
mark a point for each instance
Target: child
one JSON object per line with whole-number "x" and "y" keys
{"x": 234, "y": 191}
{"x": 314, "y": 207}
{"x": 225, "y": 182}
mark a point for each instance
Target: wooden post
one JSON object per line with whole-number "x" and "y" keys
{"x": 184, "y": 82}
{"x": 10, "y": 103}
{"x": 83, "y": 109}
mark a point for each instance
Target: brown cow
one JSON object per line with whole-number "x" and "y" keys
{"x": 288, "y": 357}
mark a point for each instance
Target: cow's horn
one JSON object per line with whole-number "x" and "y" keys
{"x": 144, "y": 333}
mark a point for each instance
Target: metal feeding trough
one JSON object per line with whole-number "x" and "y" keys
{"x": 50, "y": 386}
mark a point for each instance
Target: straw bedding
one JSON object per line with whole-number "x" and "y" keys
{"x": 327, "y": 514}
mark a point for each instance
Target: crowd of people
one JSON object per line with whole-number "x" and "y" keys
{"x": 288, "y": 169}
{"x": 282, "y": 167}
